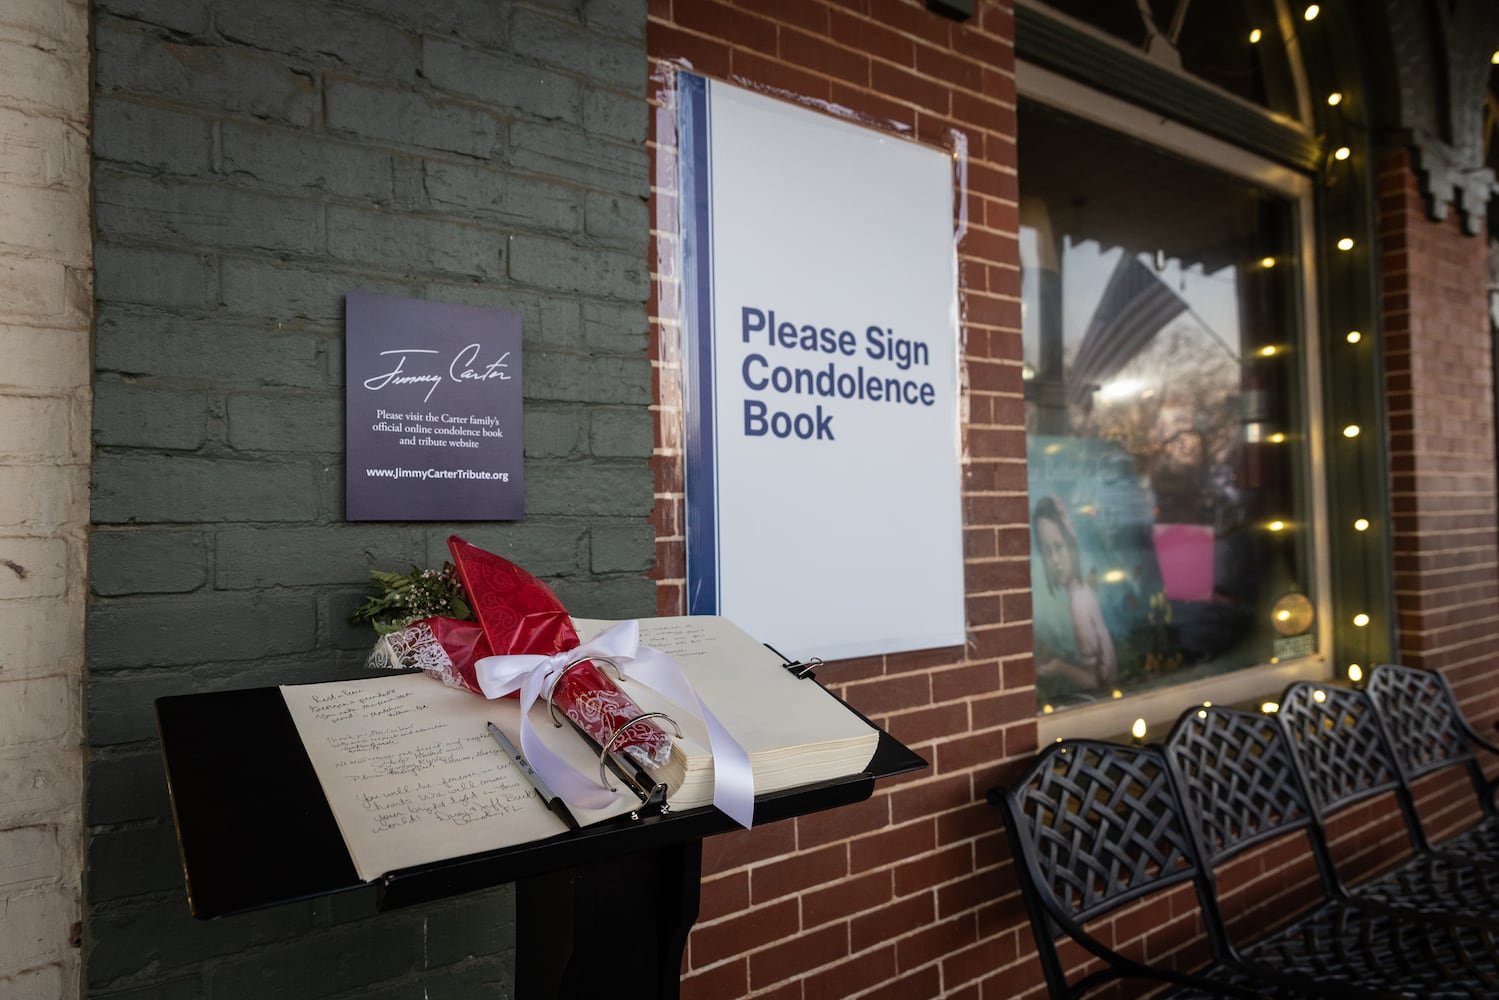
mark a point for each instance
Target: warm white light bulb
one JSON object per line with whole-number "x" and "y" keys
{"x": 1268, "y": 351}
{"x": 1354, "y": 336}
{"x": 1355, "y": 672}
{"x": 1277, "y": 525}
{"x": 1138, "y": 729}
{"x": 1362, "y": 524}
{"x": 1255, "y": 36}
{"x": 1270, "y": 707}
{"x": 1267, "y": 262}
{"x": 1319, "y": 695}
{"x": 1342, "y": 153}
{"x": 1334, "y": 99}
{"x": 1360, "y": 619}
{"x": 1311, "y": 12}
{"x": 1276, "y": 438}
{"x": 1345, "y": 244}
{"x": 1351, "y": 431}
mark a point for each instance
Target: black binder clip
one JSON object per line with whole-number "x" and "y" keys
{"x": 801, "y": 669}
{"x": 804, "y": 668}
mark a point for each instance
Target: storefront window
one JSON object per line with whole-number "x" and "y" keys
{"x": 1165, "y": 415}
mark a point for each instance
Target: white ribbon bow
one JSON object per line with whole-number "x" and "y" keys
{"x": 733, "y": 779}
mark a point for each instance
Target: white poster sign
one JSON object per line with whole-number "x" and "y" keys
{"x": 821, "y": 378}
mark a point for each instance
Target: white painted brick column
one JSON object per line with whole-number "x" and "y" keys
{"x": 46, "y": 304}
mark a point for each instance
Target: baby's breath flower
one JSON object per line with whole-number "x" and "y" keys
{"x": 399, "y": 600}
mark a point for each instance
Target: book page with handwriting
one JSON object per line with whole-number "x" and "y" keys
{"x": 411, "y": 772}
{"x": 413, "y": 776}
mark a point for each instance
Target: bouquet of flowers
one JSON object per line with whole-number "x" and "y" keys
{"x": 445, "y": 622}
{"x": 485, "y": 625}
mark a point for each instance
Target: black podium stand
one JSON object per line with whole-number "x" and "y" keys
{"x": 255, "y": 830}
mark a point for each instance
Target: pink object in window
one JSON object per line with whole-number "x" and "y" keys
{"x": 1185, "y": 554}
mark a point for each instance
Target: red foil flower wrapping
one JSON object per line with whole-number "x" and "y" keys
{"x": 520, "y": 614}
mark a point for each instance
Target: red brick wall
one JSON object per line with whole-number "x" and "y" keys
{"x": 912, "y": 894}
{"x": 1439, "y": 365}
{"x": 909, "y": 894}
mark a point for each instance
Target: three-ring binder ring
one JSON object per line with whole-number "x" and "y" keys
{"x": 552, "y": 687}
{"x": 608, "y": 748}
{"x": 604, "y": 753}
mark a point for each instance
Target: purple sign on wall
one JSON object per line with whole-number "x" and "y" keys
{"x": 433, "y": 411}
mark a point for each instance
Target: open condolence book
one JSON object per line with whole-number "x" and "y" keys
{"x": 413, "y": 775}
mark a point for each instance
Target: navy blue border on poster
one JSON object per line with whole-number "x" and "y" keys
{"x": 701, "y": 476}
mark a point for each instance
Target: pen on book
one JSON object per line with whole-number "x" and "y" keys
{"x": 551, "y": 799}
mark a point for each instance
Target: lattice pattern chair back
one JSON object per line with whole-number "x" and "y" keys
{"x": 1236, "y": 777}
{"x": 1094, "y": 826}
{"x": 1099, "y": 825}
{"x": 1430, "y": 733}
{"x": 1339, "y": 745}
{"x": 1422, "y": 718}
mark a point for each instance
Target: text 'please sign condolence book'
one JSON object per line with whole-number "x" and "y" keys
{"x": 413, "y": 776}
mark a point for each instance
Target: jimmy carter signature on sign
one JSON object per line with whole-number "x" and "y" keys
{"x": 465, "y": 367}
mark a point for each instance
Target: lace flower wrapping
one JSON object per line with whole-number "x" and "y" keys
{"x": 444, "y": 648}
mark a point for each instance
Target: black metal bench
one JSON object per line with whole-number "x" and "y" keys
{"x": 1096, "y": 826}
{"x": 1241, "y": 790}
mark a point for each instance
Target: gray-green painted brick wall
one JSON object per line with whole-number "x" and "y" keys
{"x": 252, "y": 163}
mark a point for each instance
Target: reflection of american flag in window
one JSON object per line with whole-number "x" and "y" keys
{"x": 1134, "y": 307}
